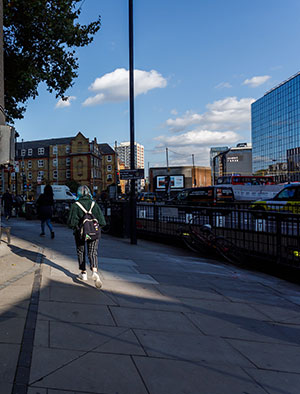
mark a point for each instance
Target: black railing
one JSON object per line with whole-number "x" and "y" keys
{"x": 272, "y": 236}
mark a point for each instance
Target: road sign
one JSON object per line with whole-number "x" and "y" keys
{"x": 138, "y": 173}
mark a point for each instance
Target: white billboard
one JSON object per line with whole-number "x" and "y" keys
{"x": 177, "y": 182}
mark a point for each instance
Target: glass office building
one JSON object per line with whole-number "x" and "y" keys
{"x": 275, "y": 123}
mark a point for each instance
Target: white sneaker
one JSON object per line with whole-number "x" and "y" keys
{"x": 97, "y": 280}
{"x": 82, "y": 276}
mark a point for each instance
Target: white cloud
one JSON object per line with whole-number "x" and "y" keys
{"x": 114, "y": 86}
{"x": 256, "y": 81}
{"x": 229, "y": 113}
{"x": 174, "y": 112}
{"x": 224, "y": 123}
{"x": 65, "y": 103}
{"x": 223, "y": 85}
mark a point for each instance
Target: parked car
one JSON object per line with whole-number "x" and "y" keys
{"x": 206, "y": 195}
{"x": 287, "y": 199}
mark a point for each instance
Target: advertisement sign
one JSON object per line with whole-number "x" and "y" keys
{"x": 177, "y": 182}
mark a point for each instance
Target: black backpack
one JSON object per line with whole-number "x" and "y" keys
{"x": 89, "y": 226}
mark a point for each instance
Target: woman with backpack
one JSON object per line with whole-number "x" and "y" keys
{"x": 44, "y": 206}
{"x": 86, "y": 219}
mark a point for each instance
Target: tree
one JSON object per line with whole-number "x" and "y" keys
{"x": 39, "y": 40}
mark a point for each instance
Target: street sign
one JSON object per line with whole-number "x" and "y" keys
{"x": 138, "y": 173}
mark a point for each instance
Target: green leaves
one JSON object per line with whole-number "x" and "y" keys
{"x": 39, "y": 40}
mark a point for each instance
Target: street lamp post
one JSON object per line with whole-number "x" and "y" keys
{"x": 131, "y": 107}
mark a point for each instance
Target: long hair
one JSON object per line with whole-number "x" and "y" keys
{"x": 84, "y": 191}
{"x": 48, "y": 191}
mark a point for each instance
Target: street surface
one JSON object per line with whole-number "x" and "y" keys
{"x": 165, "y": 322}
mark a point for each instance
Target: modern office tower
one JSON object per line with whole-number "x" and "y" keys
{"x": 215, "y": 151}
{"x": 276, "y": 131}
{"x": 123, "y": 151}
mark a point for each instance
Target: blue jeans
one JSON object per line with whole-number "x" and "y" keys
{"x": 48, "y": 222}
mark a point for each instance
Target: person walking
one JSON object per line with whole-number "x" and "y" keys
{"x": 45, "y": 204}
{"x": 85, "y": 199}
{"x": 7, "y": 201}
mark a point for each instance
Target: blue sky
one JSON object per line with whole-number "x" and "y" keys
{"x": 199, "y": 66}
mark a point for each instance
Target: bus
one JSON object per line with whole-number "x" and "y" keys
{"x": 245, "y": 180}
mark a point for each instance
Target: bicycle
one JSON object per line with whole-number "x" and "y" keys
{"x": 201, "y": 238}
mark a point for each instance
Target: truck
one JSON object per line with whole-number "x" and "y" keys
{"x": 60, "y": 192}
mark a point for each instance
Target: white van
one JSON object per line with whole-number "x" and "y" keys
{"x": 60, "y": 192}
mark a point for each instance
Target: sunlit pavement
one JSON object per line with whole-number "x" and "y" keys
{"x": 165, "y": 321}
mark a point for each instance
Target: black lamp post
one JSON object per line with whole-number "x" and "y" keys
{"x": 131, "y": 111}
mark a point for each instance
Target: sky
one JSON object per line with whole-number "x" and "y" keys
{"x": 199, "y": 64}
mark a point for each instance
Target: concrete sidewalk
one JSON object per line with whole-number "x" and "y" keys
{"x": 165, "y": 322}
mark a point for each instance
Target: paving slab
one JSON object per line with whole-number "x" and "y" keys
{"x": 83, "y": 295}
{"x": 275, "y": 382}
{"x": 15, "y": 292}
{"x": 106, "y": 373}
{"x": 10, "y": 308}
{"x": 118, "y": 261}
{"x": 38, "y": 390}
{"x": 11, "y": 329}
{"x": 177, "y": 377}
{"x": 232, "y": 326}
{"x": 279, "y": 314}
{"x": 190, "y": 347}
{"x": 9, "y": 354}
{"x": 74, "y": 312}
{"x": 94, "y": 338}
{"x": 151, "y": 319}
{"x": 187, "y": 292}
{"x": 267, "y": 356}
{"x": 45, "y": 361}
{"x": 127, "y": 277}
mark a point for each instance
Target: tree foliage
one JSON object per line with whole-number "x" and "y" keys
{"x": 39, "y": 40}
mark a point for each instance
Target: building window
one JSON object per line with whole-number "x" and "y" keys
{"x": 22, "y": 164}
{"x": 29, "y": 175}
{"x": 14, "y": 187}
{"x": 41, "y": 174}
{"x": 54, "y": 161}
{"x": 29, "y": 186}
{"x": 68, "y": 161}
{"x": 109, "y": 158}
{"x": 40, "y": 163}
{"x": 55, "y": 174}
{"x": 68, "y": 149}
{"x": 54, "y": 149}
{"x": 41, "y": 151}
{"x": 109, "y": 177}
{"x": 23, "y": 152}
{"x": 109, "y": 168}
{"x": 13, "y": 176}
{"x": 68, "y": 174}
{"x": 79, "y": 146}
{"x": 29, "y": 152}
{"x": 29, "y": 164}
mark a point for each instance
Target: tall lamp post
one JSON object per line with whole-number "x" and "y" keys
{"x": 131, "y": 111}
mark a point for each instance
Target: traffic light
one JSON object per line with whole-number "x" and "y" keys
{"x": 24, "y": 182}
{"x": 117, "y": 177}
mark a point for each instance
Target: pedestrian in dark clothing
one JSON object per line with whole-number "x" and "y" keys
{"x": 7, "y": 201}
{"x": 44, "y": 205}
{"x": 76, "y": 214}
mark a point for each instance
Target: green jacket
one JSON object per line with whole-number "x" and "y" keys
{"x": 76, "y": 213}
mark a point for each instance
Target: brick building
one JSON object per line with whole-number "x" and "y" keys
{"x": 56, "y": 161}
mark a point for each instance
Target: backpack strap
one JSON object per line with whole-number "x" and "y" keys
{"x": 81, "y": 206}
{"x": 92, "y": 206}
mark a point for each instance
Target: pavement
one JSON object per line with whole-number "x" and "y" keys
{"x": 165, "y": 322}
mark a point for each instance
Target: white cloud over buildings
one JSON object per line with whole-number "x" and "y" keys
{"x": 114, "y": 86}
{"x": 222, "y": 124}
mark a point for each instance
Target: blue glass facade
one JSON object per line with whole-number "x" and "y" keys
{"x": 275, "y": 123}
